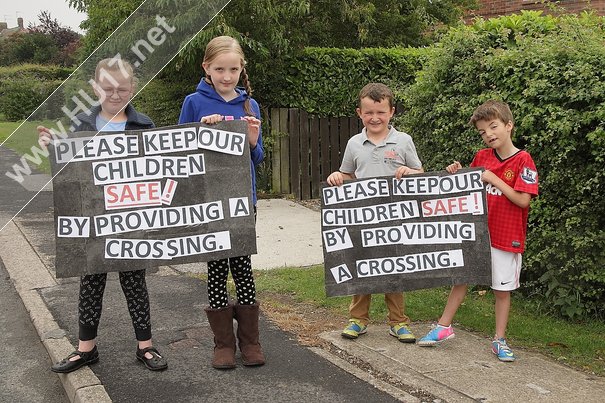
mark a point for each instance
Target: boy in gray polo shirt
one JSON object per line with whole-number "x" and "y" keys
{"x": 379, "y": 150}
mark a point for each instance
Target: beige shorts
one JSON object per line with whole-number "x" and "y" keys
{"x": 506, "y": 269}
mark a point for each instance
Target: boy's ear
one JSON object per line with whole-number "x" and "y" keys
{"x": 510, "y": 125}
{"x": 358, "y": 110}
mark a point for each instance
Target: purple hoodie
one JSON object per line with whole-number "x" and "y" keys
{"x": 206, "y": 101}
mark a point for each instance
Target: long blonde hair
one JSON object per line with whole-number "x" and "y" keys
{"x": 223, "y": 44}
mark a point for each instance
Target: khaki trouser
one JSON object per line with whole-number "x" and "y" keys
{"x": 360, "y": 308}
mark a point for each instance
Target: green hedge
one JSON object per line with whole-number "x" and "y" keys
{"x": 552, "y": 74}
{"x": 24, "y": 87}
{"x": 326, "y": 81}
{"x": 34, "y": 72}
{"x": 322, "y": 81}
{"x": 21, "y": 97}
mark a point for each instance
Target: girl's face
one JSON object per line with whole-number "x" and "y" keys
{"x": 224, "y": 71}
{"x": 114, "y": 91}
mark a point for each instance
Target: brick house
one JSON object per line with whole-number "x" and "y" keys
{"x": 495, "y": 8}
{"x": 5, "y": 31}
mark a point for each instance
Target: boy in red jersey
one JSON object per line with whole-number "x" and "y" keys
{"x": 512, "y": 181}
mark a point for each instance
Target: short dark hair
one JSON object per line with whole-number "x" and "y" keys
{"x": 492, "y": 109}
{"x": 376, "y": 92}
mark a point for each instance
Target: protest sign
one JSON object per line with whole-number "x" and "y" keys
{"x": 388, "y": 235}
{"x": 137, "y": 199}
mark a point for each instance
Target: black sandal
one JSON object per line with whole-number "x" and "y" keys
{"x": 86, "y": 358}
{"x": 156, "y": 362}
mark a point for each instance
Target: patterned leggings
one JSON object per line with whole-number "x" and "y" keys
{"x": 90, "y": 303}
{"x": 241, "y": 271}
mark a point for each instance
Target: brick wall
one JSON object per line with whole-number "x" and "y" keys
{"x": 495, "y": 8}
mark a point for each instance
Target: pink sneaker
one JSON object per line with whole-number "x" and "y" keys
{"x": 437, "y": 335}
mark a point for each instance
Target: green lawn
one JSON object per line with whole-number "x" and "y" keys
{"x": 579, "y": 344}
{"x": 23, "y": 139}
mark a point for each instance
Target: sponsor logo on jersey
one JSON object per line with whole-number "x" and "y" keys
{"x": 492, "y": 190}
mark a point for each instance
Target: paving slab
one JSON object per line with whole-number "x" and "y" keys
{"x": 287, "y": 234}
{"x": 464, "y": 369}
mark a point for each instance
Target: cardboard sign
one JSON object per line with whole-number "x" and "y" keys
{"x": 388, "y": 235}
{"x": 138, "y": 199}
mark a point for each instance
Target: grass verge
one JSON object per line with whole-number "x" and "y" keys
{"x": 295, "y": 298}
{"x": 22, "y": 141}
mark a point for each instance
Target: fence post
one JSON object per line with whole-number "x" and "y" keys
{"x": 275, "y": 153}
{"x": 284, "y": 151}
{"x": 315, "y": 158}
{"x": 294, "y": 130}
{"x": 324, "y": 135}
{"x": 334, "y": 145}
{"x": 305, "y": 160}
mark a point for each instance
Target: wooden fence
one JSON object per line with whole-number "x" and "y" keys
{"x": 306, "y": 150}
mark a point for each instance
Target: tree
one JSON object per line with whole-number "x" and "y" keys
{"x": 104, "y": 16}
{"x": 29, "y": 47}
{"x": 45, "y": 43}
{"x": 388, "y": 23}
{"x": 327, "y": 23}
{"x": 270, "y": 31}
{"x": 62, "y": 36}
{"x": 65, "y": 40}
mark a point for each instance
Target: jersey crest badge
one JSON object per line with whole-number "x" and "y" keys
{"x": 509, "y": 174}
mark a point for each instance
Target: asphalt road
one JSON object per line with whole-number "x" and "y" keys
{"x": 24, "y": 362}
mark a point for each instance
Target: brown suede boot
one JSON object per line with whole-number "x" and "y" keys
{"x": 221, "y": 323}
{"x": 247, "y": 334}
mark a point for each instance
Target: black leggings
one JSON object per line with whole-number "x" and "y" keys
{"x": 90, "y": 303}
{"x": 241, "y": 271}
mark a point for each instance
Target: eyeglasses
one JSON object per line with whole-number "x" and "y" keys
{"x": 122, "y": 92}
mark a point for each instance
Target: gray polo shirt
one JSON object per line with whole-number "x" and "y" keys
{"x": 367, "y": 160}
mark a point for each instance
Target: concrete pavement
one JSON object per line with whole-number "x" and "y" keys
{"x": 287, "y": 234}
{"x": 374, "y": 368}
{"x": 465, "y": 370}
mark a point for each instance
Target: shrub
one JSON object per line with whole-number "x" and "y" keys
{"x": 24, "y": 87}
{"x": 34, "y": 72}
{"x": 21, "y": 97}
{"x": 326, "y": 81}
{"x": 551, "y": 72}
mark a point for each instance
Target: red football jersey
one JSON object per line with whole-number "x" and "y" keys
{"x": 507, "y": 222}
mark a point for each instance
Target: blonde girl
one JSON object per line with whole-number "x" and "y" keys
{"x": 219, "y": 98}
